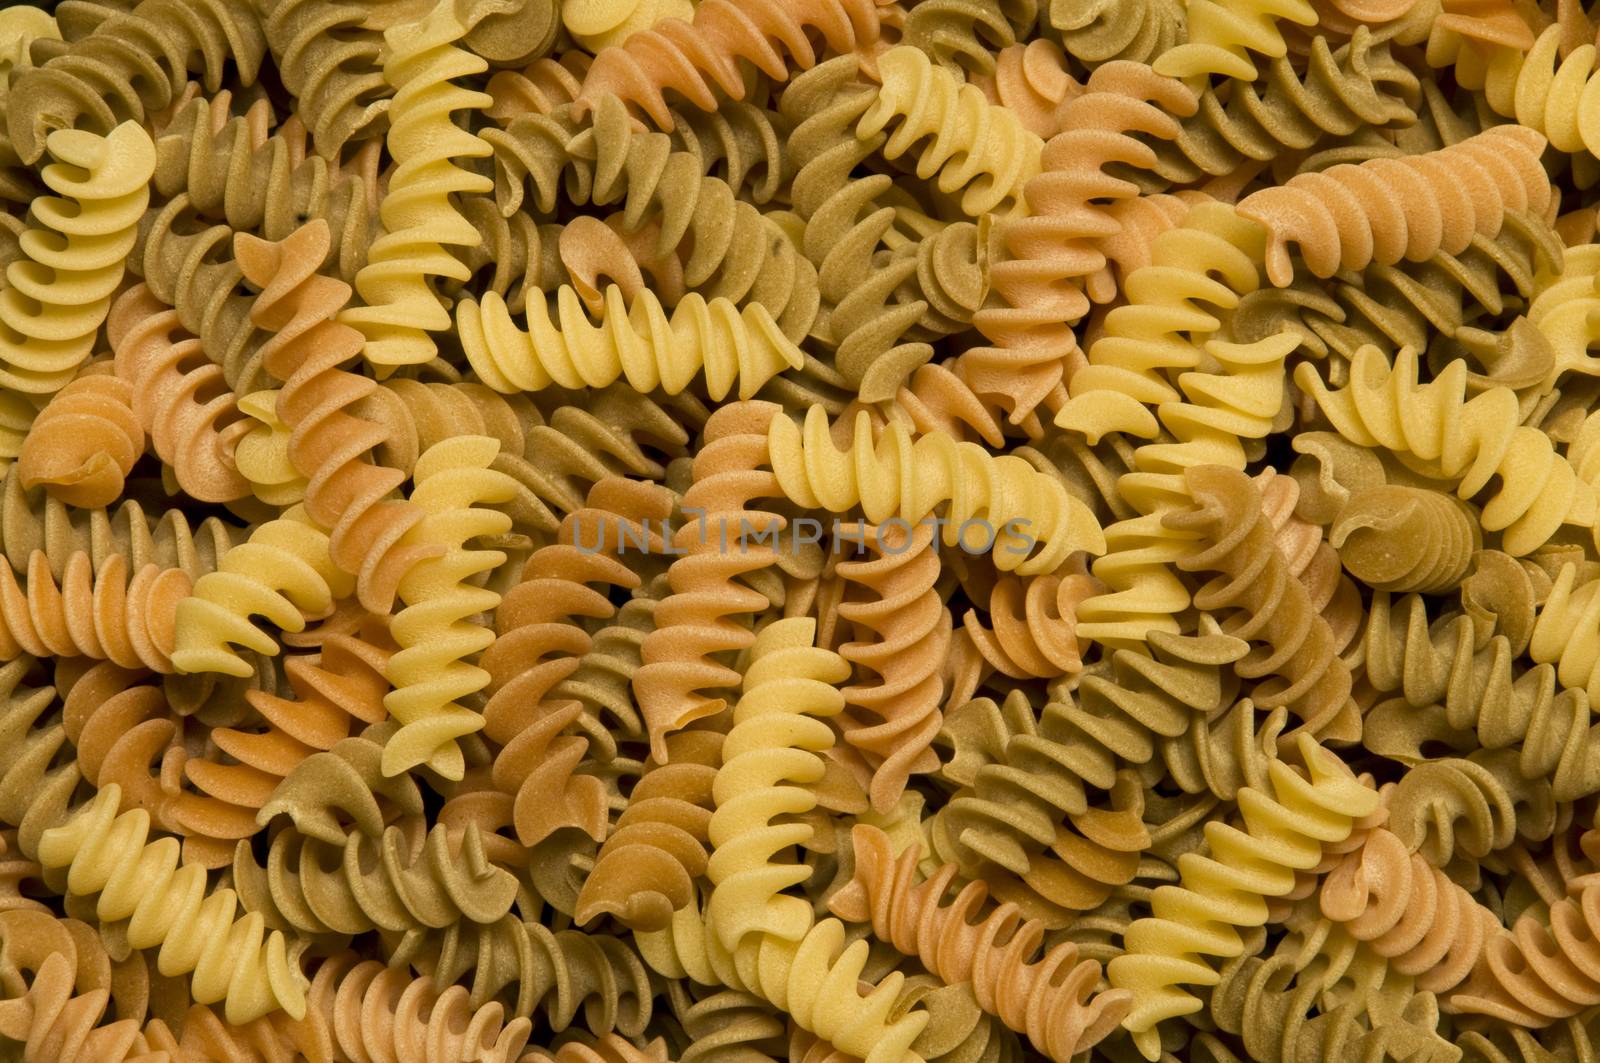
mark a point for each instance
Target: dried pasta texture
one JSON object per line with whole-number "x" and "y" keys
{"x": 59, "y": 290}
{"x": 1221, "y": 37}
{"x": 1225, "y": 888}
{"x": 420, "y": 222}
{"x": 113, "y": 615}
{"x": 333, "y": 69}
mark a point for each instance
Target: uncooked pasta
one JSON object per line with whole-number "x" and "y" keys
{"x": 847, "y": 531}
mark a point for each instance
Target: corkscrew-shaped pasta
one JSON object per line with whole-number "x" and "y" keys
{"x": 106, "y": 615}
{"x": 642, "y": 342}
{"x": 647, "y": 868}
{"x": 1542, "y": 969}
{"x": 813, "y": 978}
{"x": 1565, "y": 631}
{"x": 1104, "y": 30}
{"x": 978, "y": 149}
{"x": 336, "y": 690}
{"x": 964, "y": 35}
{"x": 400, "y": 882}
{"x": 1046, "y": 995}
{"x": 168, "y": 908}
{"x": 692, "y": 59}
{"x": 1055, "y": 250}
{"x": 1441, "y": 433}
{"x": 120, "y": 728}
{"x": 132, "y": 65}
{"x": 901, "y": 640}
{"x": 1408, "y": 912}
{"x": 1222, "y": 36}
{"x": 179, "y": 397}
{"x": 1209, "y": 262}
{"x": 1386, "y": 210}
{"x": 283, "y": 573}
{"x": 1226, "y": 887}
{"x": 436, "y": 632}
{"x": 329, "y": 442}
{"x": 83, "y": 444}
{"x": 420, "y": 223}
{"x": 1016, "y": 507}
{"x": 769, "y": 762}
{"x": 49, "y": 1022}
{"x": 254, "y": 181}
{"x": 727, "y": 538}
{"x": 540, "y": 642}
{"x": 1295, "y": 662}
{"x": 1401, "y": 539}
{"x": 332, "y": 68}
{"x": 1034, "y": 625}
{"x": 1343, "y": 88}
{"x": 59, "y": 290}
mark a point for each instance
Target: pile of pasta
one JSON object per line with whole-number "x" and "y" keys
{"x": 712, "y": 531}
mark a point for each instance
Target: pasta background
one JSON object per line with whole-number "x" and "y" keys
{"x": 724, "y": 531}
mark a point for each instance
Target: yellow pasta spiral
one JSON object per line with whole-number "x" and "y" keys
{"x": 167, "y": 907}
{"x": 643, "y": 343}
{"x": 813, "y": 978}
{"x": 283, "y": 573}
{"x": 435, "y": 630}
{"x": 1435, "y": 429}
{"x": 769, "y": 761}
{"x": 1543, "y": 90}
{"x": 1223, "y": 33}
{"x": 972, "y": 146}
{"x": 1014, "y": 506}
{"x": 58, "y": 292}
{"x": 1226, "y": 887}
{"x": 420, "y": 223}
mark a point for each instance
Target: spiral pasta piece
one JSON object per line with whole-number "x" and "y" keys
{"x": 1408, "y": 912}
{"x": 1440, "y": 432}
{"x": 84, "y": 442}
{"x": 435, "y": 631}
{"x": 641, "y": 342}
{"x": 106, "y": 615}
{"x": 132, "y": 65}
{"x": 283, "y": 573}
{"x": 332, "y": 68}
{"x": 693, "y": 58}
{"x": 646, "y": 870}
{"x": 1035, "y": 622}
{"x": 420, "y": 223}
{"x": 329, "y": 442}
{"x": 705, "y": 613}
{"x": 813, "y": 978}
{"x": 1222, "y": 36}
{"x": 1541, "y": 970}
{"x": 50, "y": 1022}
{"x": 59, "y": 291}
{"x": 769, "y": 761}
{"x": 1046, "y": 995}
{"x": 168, "y": 906}
{"x": 1226, "y": 888}
{"x": 1016, "y": 508}
{"x": 1386, "y": 210}
{"x": 976, "y": 148}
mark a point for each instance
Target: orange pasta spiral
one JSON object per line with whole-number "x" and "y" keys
{"x": 646, "y": 870}
{"x": 1386, "y": 210}
{"x": 104, "y": 615}
{"x": 692, "y": 58}
{"x": 1034, "y": 625}
{"x": 347, "y": 491}
{"x": 84, "y": 442}
{"x": 1540, "y": 970}
{"x": 704, "y": 614}
{"x": 336, "y": 690}
{"x": 50, "y": 1024}
{"x": 540, "y": 642}
{"x": 1048, "y": 997}
{"x": 1294, "y": 653}
{"x": 179, "y": 397}
{"x": 1407, "y": 911}
{"x": 903, "y": 636}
